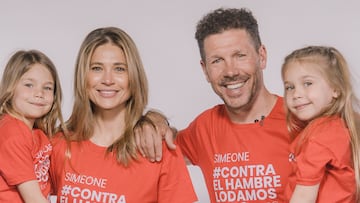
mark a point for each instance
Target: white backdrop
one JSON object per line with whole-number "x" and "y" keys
{"x": 164, "y": 32}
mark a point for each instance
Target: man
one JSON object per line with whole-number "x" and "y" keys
{"x": 242, "y": 145}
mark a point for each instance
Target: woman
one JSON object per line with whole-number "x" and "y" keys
{"x": 98, "y": 160}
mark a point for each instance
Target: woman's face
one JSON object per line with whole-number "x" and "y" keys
{"x": 108, "y": 78}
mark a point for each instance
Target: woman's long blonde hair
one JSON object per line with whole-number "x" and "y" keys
{"x": 336, "y": 72}
{"x": 81, "y": 121}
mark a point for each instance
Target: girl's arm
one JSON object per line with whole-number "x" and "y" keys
{"x": 305, "y": 194}
{"x": 31, "y": 193}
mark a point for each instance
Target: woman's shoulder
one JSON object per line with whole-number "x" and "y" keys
{"x": 171, "y": 153}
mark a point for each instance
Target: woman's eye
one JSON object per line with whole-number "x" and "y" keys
{"x": 120, "y": 69}
{"x": 96, "y": 68}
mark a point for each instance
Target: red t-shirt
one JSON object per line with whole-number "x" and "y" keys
{"x": 25, "y": 156}
{"x": 240, "y": 162}
{"x": 324, "y": 157}
{"x": 95, "y": 176}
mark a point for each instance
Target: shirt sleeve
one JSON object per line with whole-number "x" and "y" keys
{"x": 16, "y": 156}
{"x": 186, "y": 141}
{"x": 175, "y": 184}
{"x": 312, "y": 162}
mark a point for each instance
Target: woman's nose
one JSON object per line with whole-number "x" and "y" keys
{"x": 107, "y": 78}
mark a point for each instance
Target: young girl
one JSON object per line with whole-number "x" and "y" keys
{"x": 321, "y": 118}
{"x": 30, "y": 98}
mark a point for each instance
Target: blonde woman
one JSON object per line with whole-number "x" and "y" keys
{"x": 99, "y": 161}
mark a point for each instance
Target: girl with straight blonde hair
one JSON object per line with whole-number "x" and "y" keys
{"x": 30, "y": 98}
{"x": 322, "y": 118}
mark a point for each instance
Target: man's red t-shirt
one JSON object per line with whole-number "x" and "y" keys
{"x": 240, "y": 162}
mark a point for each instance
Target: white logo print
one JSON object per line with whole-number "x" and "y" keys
{"x": 292, "y": 157}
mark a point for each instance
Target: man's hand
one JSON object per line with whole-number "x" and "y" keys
{"x": 151, "y": 129}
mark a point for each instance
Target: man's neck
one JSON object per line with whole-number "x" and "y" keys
{"x": 257, "y": 111}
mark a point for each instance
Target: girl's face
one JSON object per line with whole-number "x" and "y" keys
{"x": 34, "y": 93}
{"x": 307, "y": 92}
{"x": 108, "y": 78}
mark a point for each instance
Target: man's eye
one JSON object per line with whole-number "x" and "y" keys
{"x": 216, "y": 61}
{"x": 240, "y": 55}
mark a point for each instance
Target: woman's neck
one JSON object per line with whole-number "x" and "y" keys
{"x": 108, "y": 127}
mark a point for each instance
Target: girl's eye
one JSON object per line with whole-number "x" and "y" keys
{"x": 49, "y": 88}
{"x": 28, "y": 85}
{"x": 289, "y": 87}
{"x": 307, "y": 84}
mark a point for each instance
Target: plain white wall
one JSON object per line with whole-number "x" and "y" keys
{"x": 164, "y": 32}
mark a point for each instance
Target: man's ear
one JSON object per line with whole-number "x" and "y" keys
{"x": 262, "y": 56}
{"x": 203, "y": 66}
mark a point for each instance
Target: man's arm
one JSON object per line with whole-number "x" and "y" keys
{"x": 31, "y": 193}
{"x": 151, "y": 129}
